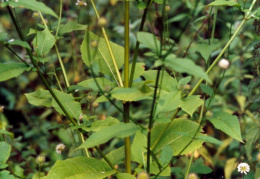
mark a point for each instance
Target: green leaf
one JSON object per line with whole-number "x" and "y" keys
{"x": 209, "y": 139}
{"x": 40, "y": 97}
{"x": 185, "y": 80}
{"x": 199, "y": 167}
{"x": 138, "y": 148}
{"x": 19, "y": 43}
{"x": 120, "y": 130}
{"x": 178, "y": 136}
{"x": 116, "y": 156}
{"x": 78, "y": 168}
{"x": 18, "y": 171}
{"x": 139, "y": 70}
{"x": 11, "y": 70}
{"x": 251, "y": 137}
{"x": 32, "y": 5}
{"x": 73, "y": 107}
{"x": 125, "y": 176}
{"x": 71, "y": 26}
{"x": 130, "y": 94}
{"x": 166, "y": 155}
{"x": 5, "y": 149}
{"x": 205, "y": 50}
{"x": 185, "y": 65}
{"x": 101, "y": 124}
{"x": 168, "y": 83}
{"x": 141, "y": 5}
{"x": 103, "y": 83}
{"x": 206, "y": 89}
{"x": 171, "y": 101}
{"x": 6, "y": 175}
{"x": 149, "y": 40}
{"x": 43, "y": 42}
{"x": 100, "y": 55}
{"x": 227, "y": 123}
{"x": 6, "y": 132}
{"x": 224, "y": 3}
{"x": 3, "y": 37}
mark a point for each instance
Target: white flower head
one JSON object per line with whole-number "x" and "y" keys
{"x": 243, "y": 168}
{"x": 81, "y": 3}
{"x": 223, "y": 63}
{"x": 60, "y": 148}
{"x": 11, "y": 40}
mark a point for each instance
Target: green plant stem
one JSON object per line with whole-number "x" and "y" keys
{"x": 106, "y": 159}
{"x": 15, "y": 54}
{"x": 126, "y": 84}
{"x": 214, "y": 25}
{"x": 188, "y": 168}
{"x": 109, "y": 47}
{"x": 58, "y": 27}
{"x": 137, "y": 43}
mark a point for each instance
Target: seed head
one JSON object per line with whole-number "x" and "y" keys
{"x": 40, "y": 159}
{"x": 102, "y": 22}
{"x": 95, "y": 105}
{"x": 113, "y": 2}
{"x": 167, "y": 8}
{"x": 94, "y": 43}
{"x": 143, "y": 175}
{"x": 192, "y": 176}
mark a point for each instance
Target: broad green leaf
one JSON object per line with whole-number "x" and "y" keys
{"x": 227, "y": 123}
{"x": 141, "y": 5}
{"x": 103, "y": 83}
{"x": 32, "y": 5}
{"x": 40, "y": 97}
{"x": 199, "y": 167}
{"x": 166, "y": 155}
{"x": 6, "y": 175}
{"x": 79, "y": 168}
{"x": 100, "y": 55}
{"x": 18, "y": 171}
{"x": 43, "y": 42}
{"x": 19, "y": 43}
{"x": 138, "y": 148}
{"x": 224, "y": 3}
{"x": 168, "y": 83}
{"x": 149, "y": 40}
{"x": 125, "y": 176}
{"x": 5, "y": 149}
{"x": 205, "y": 50}
{"x": 171, "y": 101}
{"x": 139, "y": 70}
{"x": 101, "y": 124}
{"x": 177, "y": 135}
{"x": 155, "y": 170}
{"x": 73, "y": 107}
{"x": 11, "y": 70}
{"x": 130, "y": 94}
{"x": 209, "y": 139}
{"x": 71, "y": 26}
{"x": 185, "y": 65}
{"x": 116, "y": 156}
{"x": 120, "y": 130}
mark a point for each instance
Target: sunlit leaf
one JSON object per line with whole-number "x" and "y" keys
{"x": 40, "y": 97}
{"x": 11, "y": 70}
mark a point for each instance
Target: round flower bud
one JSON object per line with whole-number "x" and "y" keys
{"x": 102, "y": 22}
{"x": 208, "y": 114}
{"x": 192, "y": 176}
{"x": 93, "y": 43}
{"x": 40, "y": 159}
{"x": 113, "y": 2}
{"x": 89, "y": 97}
{"x": 95, "y": 105}
{"x": 143, "y": 175}
{"x": 60, "y": 148}
{"x": 186, "y": 87}
{"x": 35, "y": 14}
{"x": 167, "y": 8}
{"x": 223, "y": 63}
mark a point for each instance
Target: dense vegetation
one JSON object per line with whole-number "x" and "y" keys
{"x": 126, "y": 89}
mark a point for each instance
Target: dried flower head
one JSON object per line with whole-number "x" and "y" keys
{"x": 223, "y": 63}
{"x": 60, "y": 148}
{"x": 40, "y": 159}
{"x": 243, "y": 168}
{"x": 81, "y": 3}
